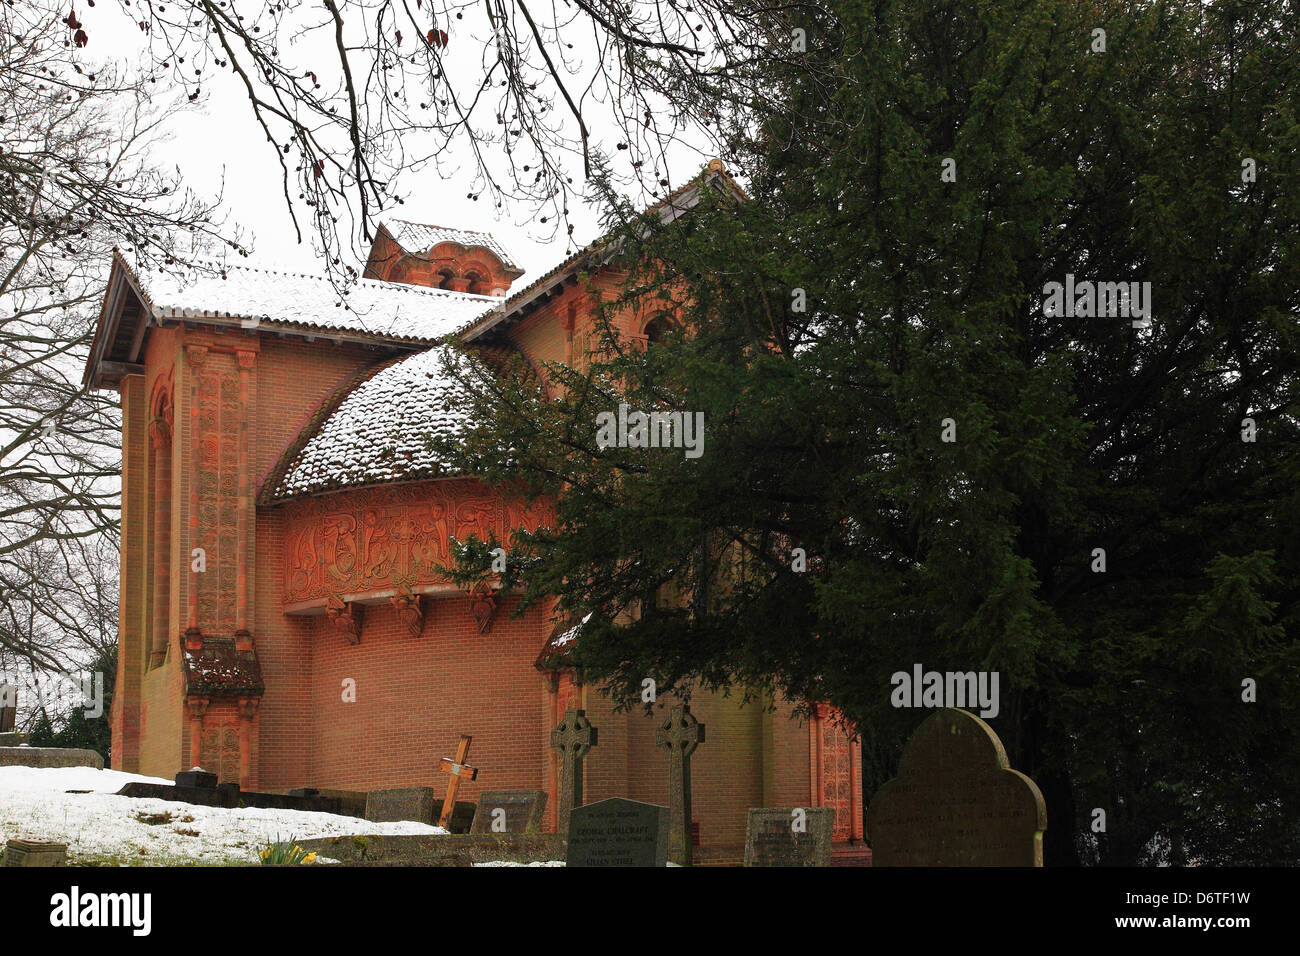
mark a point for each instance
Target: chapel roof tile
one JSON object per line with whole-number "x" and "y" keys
{"x": 371, "y": 307}
{"x": 417, "y": 237}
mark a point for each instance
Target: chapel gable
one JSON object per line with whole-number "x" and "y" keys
{"x": 458, "y": 260}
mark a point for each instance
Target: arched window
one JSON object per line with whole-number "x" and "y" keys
{"x": 659, "y": 328}
{"x": 160, "y": 519}
{"x": 446, "y": 277}
{"x": 477, "y": 283}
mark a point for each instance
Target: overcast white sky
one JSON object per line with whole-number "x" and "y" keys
{"x": 219, "y": 137}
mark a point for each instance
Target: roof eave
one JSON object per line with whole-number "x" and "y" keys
{"x": 671, "y": 208}
{"x": 110, "y": 314}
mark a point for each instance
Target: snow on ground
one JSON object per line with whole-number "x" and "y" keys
{"x": 102, "y": 827}
{"x": 512, "y": 863}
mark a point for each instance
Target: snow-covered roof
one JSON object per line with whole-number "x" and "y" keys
{"x": 377, "y": 432}
{"x": 417, "y": 237}
{"x": 372, "y": 307}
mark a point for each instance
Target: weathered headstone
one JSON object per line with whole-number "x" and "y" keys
{"x": 956, "y": 801}
{"x": 35, "y": 853}
{"x": 196, "y": 777}
{"x": 618, "y": 832}
{"x": 573, "y": 738}
{"x": 509, "y": 811}
{"x": 8, "y": 707}
{"x": 400, "y": 803}
{"x": 789, "y": 836}
{"x": 350, "y": 802}
{"x": 681, "y": 733}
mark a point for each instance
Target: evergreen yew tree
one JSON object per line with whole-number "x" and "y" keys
{"x": 1103, "y": 509}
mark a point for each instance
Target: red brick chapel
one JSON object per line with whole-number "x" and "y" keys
{"x": 281, "y": 624}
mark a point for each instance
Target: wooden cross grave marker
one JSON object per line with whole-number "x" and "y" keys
{"x": 458, "y": 768}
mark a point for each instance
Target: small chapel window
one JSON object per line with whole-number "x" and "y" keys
{"x": 658, "y": 329}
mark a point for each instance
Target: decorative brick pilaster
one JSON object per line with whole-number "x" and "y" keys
{"x": 196, "y": 707}
{"x": 247, "y": 708}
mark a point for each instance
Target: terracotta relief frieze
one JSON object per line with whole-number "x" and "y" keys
{"x": 393, "y": 540}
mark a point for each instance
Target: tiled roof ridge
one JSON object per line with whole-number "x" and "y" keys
{"x": 430, "y": 225}
{"x": 321, "y": 277}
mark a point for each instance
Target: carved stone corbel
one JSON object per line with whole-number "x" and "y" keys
{"x": 345, "y": 616}
{"x": 483, "y": 604}
{"x": 410, "y": 611}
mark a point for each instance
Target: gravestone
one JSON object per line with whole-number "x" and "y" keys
{"x": 196, "y": 777}
{"x": 618, "y": 832}
{"x": 573, "y": 738}
{"x": 400, "y": 803}
{"x": 231, "y": 791}
{"x": 956, "y": 801}
{"x": 351, "y": 803}
{"x": 8, "y": 707}
{"x": 35, "y": 853}
{"x": 509, "y": 811}
{"x": 681, "y": 733}
{"x": 789, "y": 836}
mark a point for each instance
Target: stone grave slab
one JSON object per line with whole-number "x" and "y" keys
{"x": 789, "y": 836}
{"x": 618, "y": 832}
{"x": 956, "y": 801}
{"x": 462, "y": 815}
{"x": 196, "y": 777}
{"x": 35, "y": 853}
{"x": 228, "y": 795}
{"x": 352, "y": 803}
{"x": 49, "y": 757}
{"x": 509, "y": 811}
{"x": 400, "y": 803}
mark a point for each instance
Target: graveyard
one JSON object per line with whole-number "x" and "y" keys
{"x": 956, "y": 802}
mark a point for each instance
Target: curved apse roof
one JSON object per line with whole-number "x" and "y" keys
{"x": 377, "y": 432}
